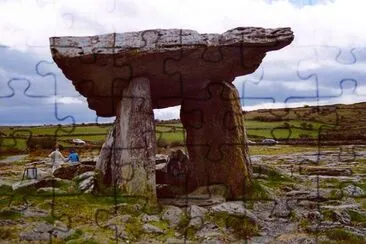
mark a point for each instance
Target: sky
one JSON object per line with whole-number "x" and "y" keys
{"x": 325, "y": 64}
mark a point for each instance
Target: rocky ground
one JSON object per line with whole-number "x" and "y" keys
{"x": 297, "y": 198}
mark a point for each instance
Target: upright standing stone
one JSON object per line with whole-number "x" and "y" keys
{"x": 216, "y": 139}
{"x": 130, "y": 163}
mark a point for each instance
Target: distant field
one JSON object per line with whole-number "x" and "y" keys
{"x": 345, "y": 122}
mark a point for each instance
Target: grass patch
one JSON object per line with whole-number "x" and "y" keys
{"x": 5, "y": 190}
{"x": 82, "y": 242}
{"x": 276, "y": 179}
{"x": 362, "y": 202}
{"x": 77, "y": 234}
{"x": 256, "y": 192}
{"x": 328, "y": 214}
{"x": 134, "y": 228}
{"x": 335, "y": 182}
{"x": 342, "y": 235}
{"x": 357, "y": 217}
{"x": 49, "y": 219}
{"x": 183, "y": 223}
{"x": 9, "y": 214}
{"x": 241, "y": 226}
{"x": 304, "y": 223}
{"x": 8, "y": 233}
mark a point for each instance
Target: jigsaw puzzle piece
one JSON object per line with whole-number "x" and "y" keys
{"x": 289, "y": 85}
{"x": 333, "y": 70}
{"x": 123, "y": 218}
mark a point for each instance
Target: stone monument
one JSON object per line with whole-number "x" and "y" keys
{"x": 128, "y": 75}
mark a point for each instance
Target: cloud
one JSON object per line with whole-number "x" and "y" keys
{"x": 326, "y": 22}
{"x": 310, "y": 64}
{"x": 167, "y": 113}
{"x": 346, "y": 99}
{"x": 65, "y": 100}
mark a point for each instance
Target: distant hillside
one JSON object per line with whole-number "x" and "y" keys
{"x": 338, "y": 122}
{"x": 331, "y": 114}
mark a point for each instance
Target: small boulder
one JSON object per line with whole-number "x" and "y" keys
{"x": 177, "y": 163}
{"x": 172, "y": 215}
{"x": 149, "y": 228}
{"x": 172, "y": 240}
{"x": 34, "y": 212}
{"x": 196, "y": 215}
{"x": 353, "y": 191}
{"x": 37, "y": 183}
{"x": 161, "y": 158}
{"x": 85, "y": 168}
{"x": 330, "y": 171}
{"x": 84, "y": 175}
{"x": 50, "y": 190}
{"x": 342, "y": 217}
{"x": 86, "y": 185}
{"x": 314, "y": 216}
{"x": 148, "y": 218}
{"x": 209, "y": 230}
{"x": 67, "y": 172}
{"x": 235, "y": 208}
{"x": 43, "y": 231}
{"x": 48, "y": 182}
{"x": 24, "y": 184}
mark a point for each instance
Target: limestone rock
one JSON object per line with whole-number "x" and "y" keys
{"x": 24, "y": 184}
{"x": 37, "y": 183}
{"x": 85, "y": 168}
{"x": 86, "y": 185}
{"x": 315, "y": 216}
{"x": 300, "y": 238}
{"x": 332, "y": 171}
{"x": 69, "y": 171}
{"x": 236, "y": 209}
{"x": 281, "y": 209}
{"x": 127, "y": 156}
{"x": 342, "y": 216}
{"x": 50, "y": 190}
{"x": 119, "y": 220}
{"x": 84, "y": 175}
{"x": 222, "y": 156}
{"x": 110, "y": 61}
{"x": 66, "y": 172}
{"x": 341, "y": 207}
{"x": 161, "y": 158}
{"x": 353, "y": 191}
{"x": 172, "y": 215}
{"x": 209, "y": 231}
{"x": 262, "y": 169}
{"x": 196, "y": 215}
{"x": 174, "y": 172}
{"x": 149, "y": 228}
{"x": 148, "y": 218}
{"x": 202, "y": 196}
{"x": 43, "y": 231}
{"x": 34, "y": 212}
{"x": 172, "y": 240}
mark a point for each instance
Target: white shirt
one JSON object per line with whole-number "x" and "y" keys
{"x": 56, "y": 157}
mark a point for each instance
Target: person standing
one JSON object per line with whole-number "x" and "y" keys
{"x": 56, "y": 158}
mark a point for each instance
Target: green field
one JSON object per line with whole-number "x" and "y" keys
{"x": 344, "y": 122}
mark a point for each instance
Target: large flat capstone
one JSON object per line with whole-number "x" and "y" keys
{"x": 176, "y": 62}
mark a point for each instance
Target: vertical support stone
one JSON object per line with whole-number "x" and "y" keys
{"x": 216, "y": 140}
{"x": 130, "y": 162}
